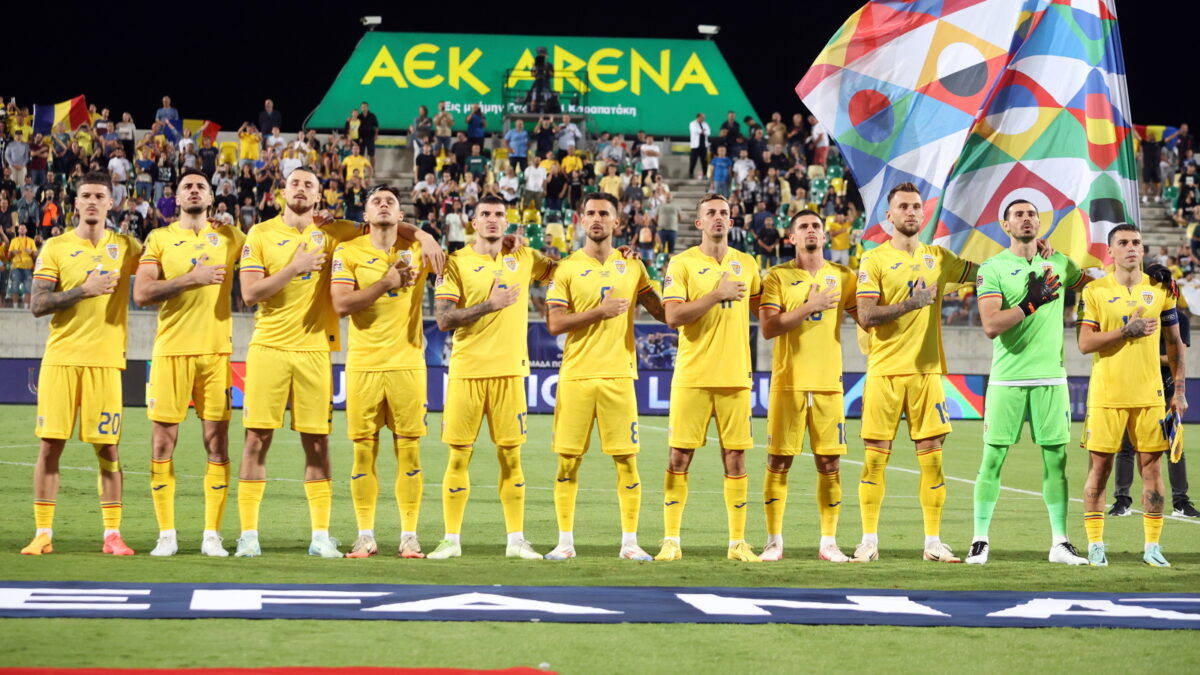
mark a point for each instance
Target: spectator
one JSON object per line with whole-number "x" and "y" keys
{"x": 208, "y": 154}
{"x": 568, "y": 136}
{"x": 516, "y": 140}
{"x": 353, "y": 127}
{"x": 166, "y": 205}
{"x": 556, "y": 188}
{"x": 508, "y": 185}
{"x": 650, "y": 153}
{"x": 742, "y": 167}
{"x": 738, "y": 236}
{"x": 226, "y": 196}
{"x": 668, "y": 223}
{"x": 476, "y": 163}
{"x": 819, "y": 141}
{"x": 39, "y": 162}
{"x": 425, "y": 162}
{"x": 169, "y": 116}
{"x": 698, "y": 131}
{"x": 356, "y": 162}
{"x": 535, "y": 185}
{"x": 20, "y": 254}
{"x": 250, "y": 144}
{"x": 16, "y": 155}
{"x": 776, "y": 130}
{"x": 368, "y": 130}
{"x": 732, "y": 129}
{"x": 839, "y": 240}
{"x": 476, "y": 125}
{"x": 29, "y": 213}
{"x": 247, "y": 214}
{"x": 443, "y": 121}
{"x": 456, "y": 228}
{"x": 614, "y": 152}
{"x": 461, "y": 147}
{"x": 421, "y": 130}
{"x": 766, "y": 241}
{"x": 721, "y": 171}
{"x": 353, "y": 199}
{"x": 269, "y": 117}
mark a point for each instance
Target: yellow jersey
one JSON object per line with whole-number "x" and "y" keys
{"x": 841, "y": 241}
{"x": 300, "y": 316}
{"x": 809, "y": 357}
{"x": 1127, "y": 375}
{"x": 496, "y": 345}
{"x": 249, "y": 145}
{"x": 388, "y": 335}
{"x": 92, "y": 332}
{"x": 604, "y": 349}
{"x": 714, "y": 350}
{"x": 912, "y": 344}
{"x": 355, "y": 163}
{"x": 21, "y": 252}
{"x": 197, "y": 321}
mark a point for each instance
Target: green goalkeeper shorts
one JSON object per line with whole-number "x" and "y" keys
{"x": 1047, "y": 408}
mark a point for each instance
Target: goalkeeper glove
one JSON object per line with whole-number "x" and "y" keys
{"x": 1041, "y": 291}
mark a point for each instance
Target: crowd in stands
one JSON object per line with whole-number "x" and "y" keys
{"x": 543, "y": 170}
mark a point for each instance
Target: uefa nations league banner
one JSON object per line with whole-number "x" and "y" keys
{"x": 624, "y": 85}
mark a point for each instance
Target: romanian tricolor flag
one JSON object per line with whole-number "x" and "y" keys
{"x": 74, "y": 112}
{"x": 195, "y": 129}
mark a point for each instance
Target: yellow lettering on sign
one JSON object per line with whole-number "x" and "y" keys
{"x": 460, "y": 70}
{"x": 639, "y": 66}
{"x": 412, "y": 65}
{"x": 596, "y": 69}
{"x": 521, "y": 70}
{"x": 384, "y": 66}
{"x": 566, "y": 65}
{"x": 693, "y": 73}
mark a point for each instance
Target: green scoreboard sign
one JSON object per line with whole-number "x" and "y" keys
{"x": 625, "y": 85}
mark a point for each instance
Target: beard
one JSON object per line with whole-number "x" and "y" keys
{"x": 300, "y": 208}
{"x": 811, "y": 247}
{"x": 194, "y": 210}
{"x": 908, "y": 230}
{"x": 597, "y": 237}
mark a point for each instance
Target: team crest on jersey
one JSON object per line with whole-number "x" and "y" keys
{"x": 736, "y": 267}
{"x": 1148, "y": 297}
{"x": 245, "y": 251}
{"x": 113, "y": 250}
{"x": 406, "y": 258}
{"x": 213, "y": 238}
{"x": 619, "y": 266}
{"x": 830, "y": 281}
{"x": 929, "y": 261}
{"x": 511, "y": 263}
{"x": 318, "y": 238}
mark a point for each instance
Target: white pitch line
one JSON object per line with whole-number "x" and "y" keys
{"x": 1166, "y": 514}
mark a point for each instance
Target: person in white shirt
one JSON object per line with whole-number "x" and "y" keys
{"x": 456, "y": 229}
{"x": 119, "y": 167}
{"x": 820, "y": 141}
{"x": 535, "y": 185}
{"x": 568, "y": 136}
{"x": 699, "y": 133}
{"x": 508, "y": 186}
{"x": 650, "y": 153}
{"x": 742, "y": 166}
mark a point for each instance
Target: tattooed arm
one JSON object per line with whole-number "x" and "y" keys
{"x": 450, "y": 316}
{"x": 45, "y": 300}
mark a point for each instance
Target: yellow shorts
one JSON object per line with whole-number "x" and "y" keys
{"x": 502, "y": 399}
{"x": 176, "y": 380}
{"x": 92, "y": 393}
{"x": 918, "y": 397}
{"x": 610, "y": 402}
{"x": 693, "y": 407}
{"x": 395, "y": 398}
{"x": 1103, "y": 429}
{"x": 275, "y": 377}
{"x": 791, "y": 411}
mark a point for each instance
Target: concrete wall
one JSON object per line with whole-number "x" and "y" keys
{"x": 968, "y": 351}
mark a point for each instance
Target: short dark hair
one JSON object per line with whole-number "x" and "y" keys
{"x": 491, "y": 199}
{"x": 903, "y": 187}
{"x": 97, "y": 178}
{"x": 382, "y": 187}
{"x": 708, "y": 197}
{"x": 306, "y": 169}
{"x": 192, "y": 172}
{"x": 1122, "y": 227}
{"x": 1014, "y": 203}
{"x": 804, "y": 212}
{"x": 603, "y": 196}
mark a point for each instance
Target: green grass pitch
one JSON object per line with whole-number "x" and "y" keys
{"x": 1020, "y": 540}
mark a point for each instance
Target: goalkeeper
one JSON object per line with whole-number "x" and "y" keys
{"x": 1022, "y": 313}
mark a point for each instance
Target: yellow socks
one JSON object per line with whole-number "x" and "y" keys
{"x": 871, "y": 485}
{"x": 250, "y": 494}
{"x": 933, "y": 489}
{"x": 410, "y": 482}
{"x": 676, "y": 488}
{"x": 111, "y": 513}
{"x": 566, "y": 487}
{"x": 320, "y": 502}
{"x": 829, "y": 501}
{"x": 1093, "y": 524}
{"x": 1152, "y": 525}
{"x": 629, "y": 492}
{"x": 216, "y": 492}
{"x": 735, "y": 506}
{"x": 364, "y": 482}
{"x": 457, "y": 485}
{"x": 43, "y": 514}
{"x": 512, "y": 487}
{"x": 775, "y": 492}
{"x": 162, "y": 492}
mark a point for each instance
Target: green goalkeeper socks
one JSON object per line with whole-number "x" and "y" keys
{"x": 1054, "y": 487}
{"x": 987, "y": 487}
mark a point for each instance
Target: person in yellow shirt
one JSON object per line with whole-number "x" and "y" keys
{"x": 249, "y": 144}
{"x": 804, "y": 301}
{"x": 900, "y": 287}
{"x": 81, "y": 278}
{"x": 185, "y": 270}
{"x": 571, "y": 162}
{"x": 1120, "y": 318}
{"x": 611, "y": 182}
{"x": 839, "y": 239}
{"x": 283, "y": 271}
{"x": 379, "y": 282}
{"x": 710, "y": 291}
{"x": 357, "y": 162}
{"x": 590, "y": 300}
{"x": 22, "y": 250}
{"x": 484, "y": 298}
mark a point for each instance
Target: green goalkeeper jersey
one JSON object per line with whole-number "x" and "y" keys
{"x": 1032, "y": 350}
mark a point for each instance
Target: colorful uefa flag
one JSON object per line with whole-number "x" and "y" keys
{"x": 46, "y": 117}
{"x": 979, "y": 103}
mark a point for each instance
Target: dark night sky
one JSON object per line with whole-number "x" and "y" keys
{"x": 221, "y": 69}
